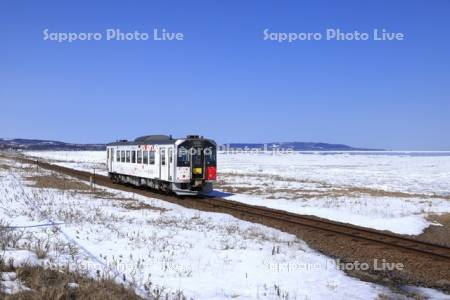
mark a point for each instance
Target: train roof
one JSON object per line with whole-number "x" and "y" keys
{"x": 157, "y": 139}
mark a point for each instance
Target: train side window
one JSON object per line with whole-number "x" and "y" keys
{"x": 122, "y": 156}
{"x": 163, "y": 157}
{"x": 152, "y": 157}
{"x": 107, "y": 154}
{"x": 133, "y": 157}
{"x": 170, "y": 156}
{"x": 128, "y": 156}
{"x": 145, "y": 157}
{"x": 139, "y": 156}
{"x": 112, "y": 154}
{"x": 118, "y": 156}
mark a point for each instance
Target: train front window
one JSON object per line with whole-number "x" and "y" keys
{"x": 210, "y": 156}
{"x": 183, "y": 157}
{"x": 197, "y": 157}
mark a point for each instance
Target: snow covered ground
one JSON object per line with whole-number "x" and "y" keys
{"x": 413, "y": 172}
{"x": 381, "y": 190}
{"x": 157, "y": 247}
{"x": 9, "y": 284}
{"x": 385, "y": 191}
{"x": 81, "y": 160}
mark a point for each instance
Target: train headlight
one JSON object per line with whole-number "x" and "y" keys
{"x": 197, "y": 171}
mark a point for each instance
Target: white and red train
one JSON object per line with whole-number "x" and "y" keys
{"x": 186, "y": 166}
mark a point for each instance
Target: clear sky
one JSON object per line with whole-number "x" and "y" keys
{"x": 224, "y": 80}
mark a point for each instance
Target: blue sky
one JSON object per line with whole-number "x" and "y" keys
{"x": 223, "y": 80}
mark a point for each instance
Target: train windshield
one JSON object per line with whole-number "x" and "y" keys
{"x": 210, "y": 156}
{"x": 197, "y": 157}
{"x": 183, "y": 157}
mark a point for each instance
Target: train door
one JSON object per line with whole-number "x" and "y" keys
{"x": 162, "y": 164}
{"x": 170, "y": 164}
{"x": 110, "y": 154}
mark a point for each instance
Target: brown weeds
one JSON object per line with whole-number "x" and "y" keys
{"x": 54, "y": 284}
{"x": 57, "y": 182}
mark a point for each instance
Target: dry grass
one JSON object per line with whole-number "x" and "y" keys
{"x": 26, "y": 168}
{"x": 5, "y": 167}
{"x": 54, "y": 284}
{"x": 57, "y": 182}
{"x": 135, "y": 205}
{"x": 100, "y": 194}
{"x": 7, "y": 164}
{"x": 8, "y": 237}
{"x": 443, "y": 219}
{"x": 438, "y": 234}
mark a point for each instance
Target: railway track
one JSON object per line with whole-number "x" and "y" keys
{"x": 355, "y": 232}
{"x": 325, "y": 226}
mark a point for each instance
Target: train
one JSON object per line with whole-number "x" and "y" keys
{"x": 184, "y": 166}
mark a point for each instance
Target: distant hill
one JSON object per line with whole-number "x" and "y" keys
{"x": 34, "y": 144}
{"x": 299, "y": 146}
